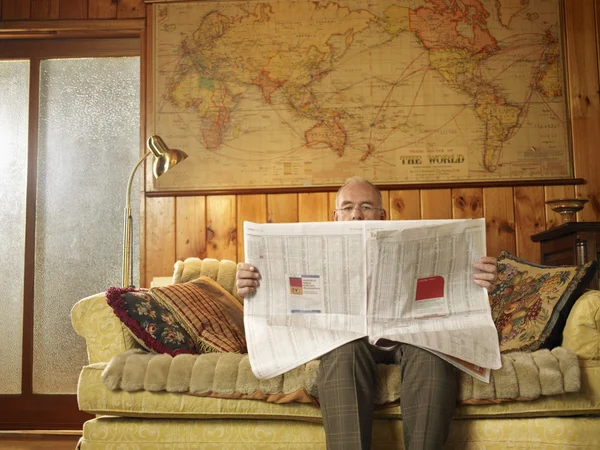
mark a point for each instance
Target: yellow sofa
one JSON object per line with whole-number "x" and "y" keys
{"x": 163, "y": 420}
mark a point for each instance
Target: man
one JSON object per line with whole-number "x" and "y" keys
{"x": 346, "y": 380}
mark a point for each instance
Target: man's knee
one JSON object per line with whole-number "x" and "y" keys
{"x": 425, "y": 375}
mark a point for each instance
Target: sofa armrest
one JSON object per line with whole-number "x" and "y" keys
{"x": 582, "y": 330}
{"x": 105, "y": 335}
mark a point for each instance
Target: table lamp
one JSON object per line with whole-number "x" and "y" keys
{"x": 164, "y": 159}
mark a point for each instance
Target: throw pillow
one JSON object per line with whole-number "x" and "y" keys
{"x": 530, "y": 302}
{"x": 211, "y": 315}
{"x": 151, "y": 324}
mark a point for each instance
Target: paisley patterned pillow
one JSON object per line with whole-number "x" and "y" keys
{"x": 530, "y": 302}
{"x": 151, "y": 324}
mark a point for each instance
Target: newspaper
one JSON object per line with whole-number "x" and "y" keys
{"x": 325, "y": 284}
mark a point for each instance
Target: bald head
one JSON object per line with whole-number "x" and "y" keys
{"x": 358, "y": 199}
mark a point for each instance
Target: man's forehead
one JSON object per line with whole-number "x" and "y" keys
{"x": 356, "y": 200}
{"x": 358, "y": 193}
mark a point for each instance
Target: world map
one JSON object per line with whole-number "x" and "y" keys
{"x": 308, "y": 93}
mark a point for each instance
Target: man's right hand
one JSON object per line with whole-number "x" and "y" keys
{"x": 246, "y": 277}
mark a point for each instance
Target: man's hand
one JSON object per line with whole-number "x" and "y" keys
{"x": 246, "y": 277}
{"x": 488, "y": 272}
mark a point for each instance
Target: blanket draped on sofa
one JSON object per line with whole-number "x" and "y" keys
{"x": 523, "y": 376}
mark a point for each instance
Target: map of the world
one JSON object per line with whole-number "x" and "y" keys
{"x": 308, "y": 93}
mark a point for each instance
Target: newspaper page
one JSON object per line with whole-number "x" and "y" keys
{"x": 316, "y": 278}
{"x": 422, "y": 293}
{"x": 312, "y": 292}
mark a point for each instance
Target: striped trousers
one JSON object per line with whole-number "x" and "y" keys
{"x": 346, "y": 384}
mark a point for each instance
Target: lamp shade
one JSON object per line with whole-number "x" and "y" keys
{"x": 165, "y": 158}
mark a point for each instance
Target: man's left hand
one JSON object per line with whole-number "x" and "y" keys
{"x": 488, "y": 272}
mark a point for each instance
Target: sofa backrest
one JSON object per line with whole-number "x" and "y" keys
{"x": 222, "y": 271}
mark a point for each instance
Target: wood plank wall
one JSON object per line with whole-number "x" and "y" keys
{"x": 32, "y": 10}
{"x": 211, "y": 225}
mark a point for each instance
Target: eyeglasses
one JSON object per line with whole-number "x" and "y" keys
{"x": 363, "y": 208}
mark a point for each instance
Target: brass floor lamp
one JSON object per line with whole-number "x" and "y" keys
{"x": 164, "y": 159}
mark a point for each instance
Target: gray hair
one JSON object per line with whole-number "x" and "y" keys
{"x": 358, "y": 180}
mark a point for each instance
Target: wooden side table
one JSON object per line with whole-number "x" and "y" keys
{"x": 571, "y": 243}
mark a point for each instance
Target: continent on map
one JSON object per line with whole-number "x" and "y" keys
{"x": 437, "y": 26}
{"x": 507, "y": 9}
{"x": 500, "y": 121}
{"x": 331, "y": 133}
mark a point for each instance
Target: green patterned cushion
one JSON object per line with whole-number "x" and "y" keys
{"x": 530, "y": 302}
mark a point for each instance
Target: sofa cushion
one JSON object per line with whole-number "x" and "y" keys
{"x": 94, "y": 397}
{"x": 523, "y": 376}
{"x": 209, "y": 313}
{"x": 150, "y": 322}
{"x": 530, "y": 302}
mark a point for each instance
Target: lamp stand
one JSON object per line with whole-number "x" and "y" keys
{"x": 127, "y": 262}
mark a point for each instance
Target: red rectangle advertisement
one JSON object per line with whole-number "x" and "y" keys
{"x": 430, "y": 288}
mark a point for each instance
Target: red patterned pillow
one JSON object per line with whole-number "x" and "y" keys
{"x": 150, "y": 323}
{"x": 210, "y": 314}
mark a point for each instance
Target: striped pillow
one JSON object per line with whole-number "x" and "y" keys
{"x": 211, "y": 315}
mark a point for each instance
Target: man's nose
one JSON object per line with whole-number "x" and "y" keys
{"x": 357, "y": 214}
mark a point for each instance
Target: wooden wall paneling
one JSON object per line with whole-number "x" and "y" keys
{"x": 404, "y": 205}
{"x": 102, "y": 9}
{"x": 131, "y": 9}
{"x": 252, "y": 208}
{"x": 221, "y": 227}
{"x": 584, "y": 99}
{"x": 142, "y": 249}
{"x": 467, "y": 203}
{"x": 552, "y": 193}
{"x": 597, "y": 10}
{"x": 16, "y": 9}
{"x": 331, "y": 205}
{"x": 160, "y": 237}
{"x": 436, "y": 204}
{"x": 73, "y": 9}
{"x": 190, "y": 226}
{"x": 44, "y": 9}
{"x": 282, "y": 208}
{"x": 385, "y": 202}
{"x": 499, "y": 213}
{"x": 529, "y": 219}
{"x": 312, "y": 207}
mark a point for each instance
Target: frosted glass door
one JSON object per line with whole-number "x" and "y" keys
{"x": 88, "y": 143}
{"x": 14, "y": 107}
